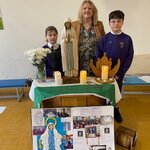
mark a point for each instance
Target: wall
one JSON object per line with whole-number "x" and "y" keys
{"x": 25, "y": 22}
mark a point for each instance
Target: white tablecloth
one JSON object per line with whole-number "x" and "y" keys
{"x": 51, "y": 82}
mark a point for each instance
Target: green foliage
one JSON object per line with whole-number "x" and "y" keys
{"x": 1, "y": 24}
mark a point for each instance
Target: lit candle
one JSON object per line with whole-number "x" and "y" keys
{"x": 58, "y": 79}
{"x": 104, "y": 73}
{"x": 83, "y": 76}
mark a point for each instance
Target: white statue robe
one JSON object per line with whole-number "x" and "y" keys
{"x": 45, "y": 137}
{"x": 69, "y": 52}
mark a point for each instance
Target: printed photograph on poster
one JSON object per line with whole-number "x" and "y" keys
{"x": 1, "y": 21}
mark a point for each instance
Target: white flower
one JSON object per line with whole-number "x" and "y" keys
{"x": 37, "y": 56}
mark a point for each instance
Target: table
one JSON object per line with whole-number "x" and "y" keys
{"x": 41, "y": 91}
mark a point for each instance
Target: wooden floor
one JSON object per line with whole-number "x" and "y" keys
{"x": 15, "y": 121}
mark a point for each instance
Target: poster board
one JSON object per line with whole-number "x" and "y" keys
{"x": 91, "y": 128}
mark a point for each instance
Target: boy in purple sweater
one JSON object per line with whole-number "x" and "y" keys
{"x": 117, "y": 45}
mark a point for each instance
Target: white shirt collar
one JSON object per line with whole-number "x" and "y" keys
{"x": 115, "y": 33}
{"x": 55, "y": 46}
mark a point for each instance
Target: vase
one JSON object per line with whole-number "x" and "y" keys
{"x": 41, "y": 73}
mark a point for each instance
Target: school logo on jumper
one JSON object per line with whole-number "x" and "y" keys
{"x": 110, "y": 42}
{"x": 121, "y": 44}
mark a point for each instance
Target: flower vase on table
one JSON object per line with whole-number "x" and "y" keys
{"x": 41, "y": 73}
{"x": 37, "y": 57}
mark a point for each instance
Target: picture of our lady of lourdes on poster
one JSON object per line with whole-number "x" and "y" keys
{"x": 51, "y": 129}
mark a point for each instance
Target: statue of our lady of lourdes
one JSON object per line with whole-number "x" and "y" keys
{"x": 69, "y": 50}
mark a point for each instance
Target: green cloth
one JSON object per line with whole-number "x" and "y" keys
{"x": 105, "y": 90}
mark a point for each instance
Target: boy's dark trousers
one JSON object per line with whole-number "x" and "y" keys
{"x": 117, "y": 114}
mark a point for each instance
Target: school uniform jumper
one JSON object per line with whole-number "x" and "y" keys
{"x": 117, "y": 47}
{"x": 53, "y": 61}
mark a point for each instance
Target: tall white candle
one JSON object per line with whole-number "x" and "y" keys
{"x": 83, "y": 77}
{"x": 58, "y": 79}
{"x": 104, "y": 72}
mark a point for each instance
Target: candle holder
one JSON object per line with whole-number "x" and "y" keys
{"x": 109, "y": 80}
{"x": 104, "y": 74}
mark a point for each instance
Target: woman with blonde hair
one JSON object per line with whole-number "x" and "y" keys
{"x": 89, "y": 30}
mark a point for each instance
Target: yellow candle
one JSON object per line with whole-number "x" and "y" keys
{"x": 83, "y": 76}
{"x": 104, "y": 73}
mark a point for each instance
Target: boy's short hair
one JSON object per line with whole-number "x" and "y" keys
{"x": 50, "y": 29}
{"x": 117, "y": 14}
